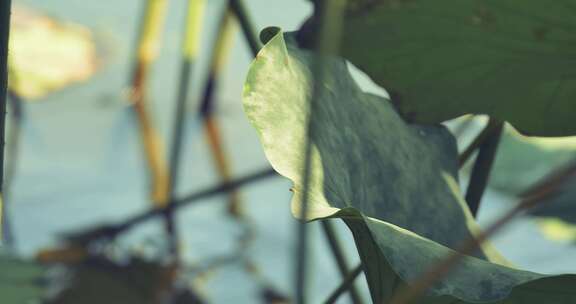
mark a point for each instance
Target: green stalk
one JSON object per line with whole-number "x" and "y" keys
{"x": 190, "y": 43}
{"x": 329, "y": 14}
{"x": 237, "y": 7}
{"x": 10, "y": 172}
{"x": 491, "y": 127}
{"x": 340, "y": 258}
{"x": 482, "y": 167}
{"x": 4, "y": 33}
{"x": 111, "y": 231}
{"x": 147, "y": 50}
{"x": 221, "y": 52}
{"x": 239, "y": 10}
{"x": 550, "y": 184}
{"x": 346, "y": 284}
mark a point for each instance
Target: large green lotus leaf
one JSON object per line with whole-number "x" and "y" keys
{"x": 364, "y": 155}
{"x": 511, "y": 59}
{"x": 392, "y": 183}
{"x": 19, "y": 280}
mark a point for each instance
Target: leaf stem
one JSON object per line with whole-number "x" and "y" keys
{"x": 490, "y": 128}
{"x": 152, "y": 22}
{"x": 237, "y": 7}
{"x": 550, "y": 184}
{"x": 220, "y": 53}
{"x": 5, "y": 7}
{"x": 340, "y": 257}
{"x": 329, "y": 14}
{"x": 111, "y": 231}
{"x": 239, "y": 10}
{"x": 346, "y": 284}
{"x": 14, "y": 139}
{"x": 483, "y": 166}
{"x": 189, "y": 53}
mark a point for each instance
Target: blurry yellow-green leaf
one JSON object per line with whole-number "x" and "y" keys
{"x": 47, "y": 55}
{"x": 558, "y": 230}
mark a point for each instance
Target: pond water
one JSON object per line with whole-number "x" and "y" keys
{"x": 80, "y": 160}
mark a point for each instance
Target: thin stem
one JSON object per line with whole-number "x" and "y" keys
{"x": 328, "y": 40}
{"x": 482, "y": 168}
{"x": 551, "y": 183}
{"x": 151, "y": 26}
{"x": 239, "y": 10}
{"x": 441, "y": 269}
{"x": 152, "y": 22}
{"x": 340, "y": 257}
{"x": 491, "y": 127}
{"x": 189, "y": 51}
{"x": 221, "y": 49}
{"x": 345, "y": 285}
{"x": 5, "y": 7}
{"x": 240, "y": 254}
{"x": 12, "y": 151}
{"x": 111, "y": 231}
{"x": 192, "y": 33}
{"x": 220, "y": 54}
{"x": 237, "y": 7}
{"x": 222, "y": 164}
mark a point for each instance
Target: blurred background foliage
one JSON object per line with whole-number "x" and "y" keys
{"x": 47, "y": 55}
